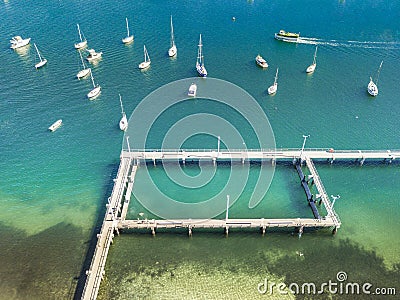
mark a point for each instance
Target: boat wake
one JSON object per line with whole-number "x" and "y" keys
{"x": 350, "y": 44}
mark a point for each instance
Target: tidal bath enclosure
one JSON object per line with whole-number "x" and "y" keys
{"x": 117, "y": 206}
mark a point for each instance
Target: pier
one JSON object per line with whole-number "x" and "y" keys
{"x": 118, "y": 203}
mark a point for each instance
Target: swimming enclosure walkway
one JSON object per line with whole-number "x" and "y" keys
{"x": 115, "y": 217}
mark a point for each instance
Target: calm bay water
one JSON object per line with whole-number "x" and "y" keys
{"x": 54, "y": 185}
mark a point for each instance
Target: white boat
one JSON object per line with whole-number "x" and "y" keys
{"x": 311, "y": 68}
{"x": 273, "y": 88}
{"x": 372, "y": 86}
{"x": 261, "y": 61}
{"x": 83, "y": 41}
{"x": 173, "y": 50}
{"x": 129, "y": 38}
{"x": 55, "y": 125}
{"x": 123, "y": 123}
{"x": 85, "y": 71}
{"x": 285, "y": 36}
{"x": 201, "y": 69}
{"x": 42, "y": 62}
{"x": 192, "y": 90}
{"x": 147, "y": 61}
{"x": 93, "y": 55}
{"x": 18, "y": 42}
{"x": 95, "y": 91}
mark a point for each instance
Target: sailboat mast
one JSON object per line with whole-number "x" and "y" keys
{"x": 91, "y": 75}
{"x": 83, "y": 63}
{"x": 127, "y": 26}
{"x": 37, "y": 52}
{"x": 120, "y": 101}
{"x": 379, "y": 71}
{"x": 315, "y": 55}
{"x": 79, "y": 31}
{"x": 172, "y": 34}
{"x": 200, "y": 54}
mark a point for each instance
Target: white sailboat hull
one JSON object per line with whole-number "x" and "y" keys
{"x": 128, "y": 39}
{"x": 172, "y": 51}
{"x": 201, "y": 70}
{"x": 311, "y": 68}
{"x": 144, "y": 65}
{"x": 80, "y": 45}
{"x": 123, "y": 123}
{"x": 372, "y": 89}
{"x": 272, "y": 89}
{"x": 94, "y": 93}
{"x": 41, "y": 63}
{"x": 83, "y": 73}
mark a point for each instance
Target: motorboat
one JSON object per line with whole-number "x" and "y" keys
{"x": 18, "y": 42}
{"x": 93, "y": 55}
{"x": 192, "y": 90}
{"x": 55, "y": 125}
{"x": 261, "y": 61}
{"x": 285, "y": 36}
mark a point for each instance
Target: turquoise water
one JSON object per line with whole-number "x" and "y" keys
{"x": 54, "y": 185}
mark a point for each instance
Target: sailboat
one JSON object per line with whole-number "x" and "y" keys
{"x": 201, "y": 69}
{"x": 147, "y": 62}
{"x": 311, "y": 68}
{"x": 372, "y": 86}
{"x": 129, "y": 38}
{"x": 273, "y": 88}
{"x": 83, "y": 42}
{"x": 173, "y": 50}
{"x": 123, "y": 123}
{"x": 85, "y": 71}
{"x": 95, "y": 91}
{"x": 42, "y": 62}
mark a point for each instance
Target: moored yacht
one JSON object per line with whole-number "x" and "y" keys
{"x": 93, "y": 55}
{"x": 83, "y": 41}
{"x": 273, "y": 88}
{"x": 192, "y": 90}
{"x": 201, "y": 69}
{"x": 261, "y": 61}
{"x": 55, "y": 125}
{"x": 18, "y": 42}
{"x": 373, "y": 86}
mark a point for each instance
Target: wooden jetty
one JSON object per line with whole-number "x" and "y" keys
{"x": 115, "y": 217}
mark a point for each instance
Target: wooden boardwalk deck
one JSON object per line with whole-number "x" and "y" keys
{"x": 104, "y": 238}
{"x": 285, "y": 154}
